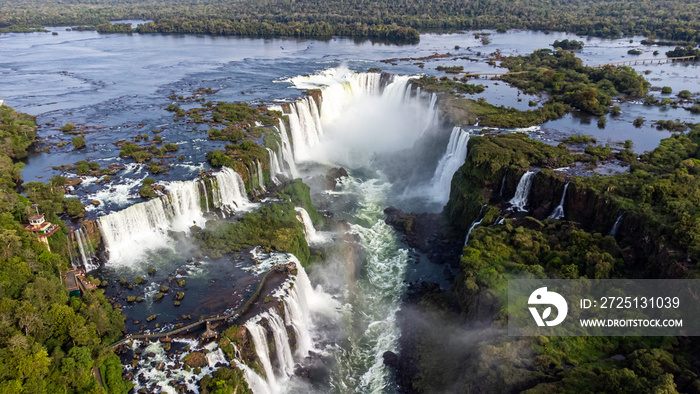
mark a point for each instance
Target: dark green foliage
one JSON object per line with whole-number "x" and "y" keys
{"x": 274, "y": 227}
{"x": 48, "y": 341}
{"x": 146, "y": 190}
{"x": 111, "y": 371}
{"x": 638, "y": 122}
{"x": 579, "y": 139}
{"x": 488, "y": 158}
{"x": 300, "y": 194}
{"x": 172, "y": 108}
{"x": 74, "y": 207}
{"x": 569, "y": 45}
{"x": 567, "y": 80}
{"x": 171, "y": 147}
{"x": 684, "y": 51}
{"x": 450, "y": 69}
{"x": 17, "y": 132}
{"x": 666, "y": 90}
{"x": 225, "y": 380}
{"x": 469, "y": 111}
{"x": 684, "y": 94}
{"x": 129, "y": 149}
{"x": 602, "y": 121}
{"x": 432, "y": 84}
{"x": 78, "y": 142}
{"x": 635, "y": 52}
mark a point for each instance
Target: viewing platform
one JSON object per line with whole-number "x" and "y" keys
{"x": 43, "y": 229}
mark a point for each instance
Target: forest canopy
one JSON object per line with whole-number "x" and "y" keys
{"x": 675, "y": 20}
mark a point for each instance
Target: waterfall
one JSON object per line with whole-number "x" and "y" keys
{"x": 312, "y": 236}
{"x": 476, "y": 223}
{"x": 454, "y": 157}
{"x": 616, "y": 226}
{"x": 87, "y": 251}
{"x": 503, "y": 184}
{"x": 216, "y": 357}
{"x": 305, "y": 127}
{"x": 286, "y": 150}
{"x": 261, "y": 179}
{"x": 432, "y": 119}
{"x": 558, "y": 212}
{"x": 519, "y": 200}
{"x": 339, "y": 89}
{"x": 129, "y": 232}
{"x": 275, "y": 168}
{"x": 258, "y": 334}
{"x": 296, "y": 294}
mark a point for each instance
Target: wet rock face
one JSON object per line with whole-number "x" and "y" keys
{"x": 333, "y": 176}
{"x": 426, "y": 232}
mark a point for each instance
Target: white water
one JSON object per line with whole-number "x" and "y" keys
{"x": 286, "y": 150}
{"x": 216, "y": 357}
{"x": 261, "y": 180}
{"x": 519, "y": 200}
{"x": 473, "y": 226}
{"x": 558, "y": 212}
{"x": 432, "y": 121}
{"x": 300, "y": 302}
{"x": 130, "y": 232}
{"x": 87, "y": 251}
{"x": 275, "y": 169}
{"x": 503, "y": 184}
{"x": 616, "y": 226}
{"x": 378, "y": 121}
{"x": 313, "y": 237}
{"x": 454, "y": 157}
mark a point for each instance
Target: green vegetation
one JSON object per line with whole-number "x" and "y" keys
{"x": 567, "y": 80}
{"x": 450, "y": 69}
{"x": 17, "y": 132}
{"x": 147, "y": 191}
{"x": 684, "y": 94}
{"x": 684, "y": 51}
{"x": 78, "y": 142}
{"x": 274, "y": 227}
{"x": 470, "y": 111}
{"x": 432, "y": 84}
{"x": 238, "y": 157}
{"x": 569, "y": 45}
{"x": 635, "y": 52}
{"x": 675, "y": 20}
{"x": 299, "y": 194}
{"x": 49, "y": 341}
{"x": 579, "y": 139}
{"x": 666, "y": 90}
{"x": 129, "y": 149}
{"x": 660, "y": 204}
{"x": 225, "y": 380}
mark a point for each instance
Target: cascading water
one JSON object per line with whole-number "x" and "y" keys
{"x": 87, "y": 252}
{"x": 432, "y": 120}
{"x": 558, "y": 212}
{"x": 312, "y": 236}
{"x": 473, "y": 226}
{"x": 275, "y": 169}
{"x": 519, "y": 200}
{"x": 616, "y": 226}
{"x": 299, "y": 300}
{"x": 454, "y": 157}
{"x": 286, "y": 149}
{"x": 503, "y": 184}
{"x": 261, "y": 180}
{"x": 314, "y": 121}
{"x": 129, "y": 232}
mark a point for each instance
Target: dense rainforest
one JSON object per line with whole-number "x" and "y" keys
{"x": 454, "y": 339}
{"x": 50, "y": 342}
{"x": 671, "y": 20}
